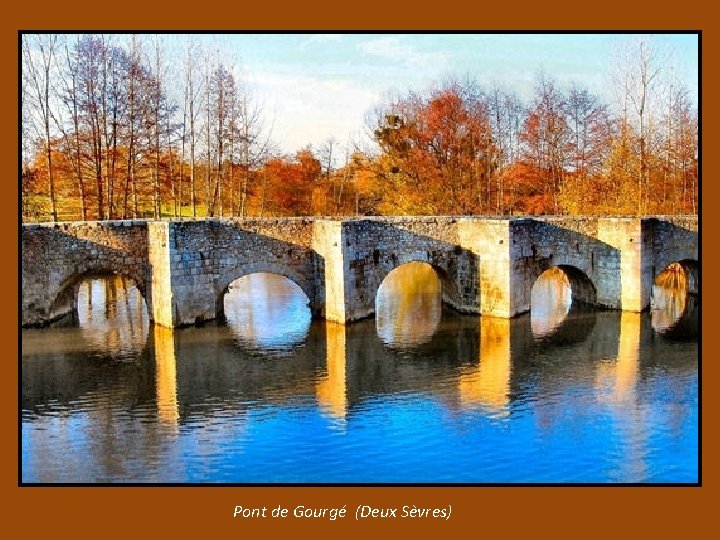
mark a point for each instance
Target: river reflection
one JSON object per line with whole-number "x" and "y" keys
{"x": 468, "y": 399}
{"x": 275, "y": 324}
{"x": 486, "y": 384}
{"x": 551, "y": 301}
{"x": 674, "y": 309}
{"x": 112, "y": 316}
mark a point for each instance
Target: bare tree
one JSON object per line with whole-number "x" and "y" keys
{"x": 506, "y": 114}
{"x": 208, "y": 67}
{"x": 73, "y": 141}
{"x": 589, "y": 123}
{"x": 190, "y": 116}
{"x": 327, "y": 154}
{"x": 91, "y": 53}
{"x": 156, "y": 106}
{"x": 639, "y": 76}
{"x": 222, "y": 86}
{"x": 255, "y": 140}
{"x": 39, "y": 59}
{"x": 546, "y": 135}
{"x": 134, "y": 76}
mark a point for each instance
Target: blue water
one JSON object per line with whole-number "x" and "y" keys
{"x": 586, "y": 397}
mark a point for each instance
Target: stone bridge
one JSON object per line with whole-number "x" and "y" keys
{"x": 183, "y": 267}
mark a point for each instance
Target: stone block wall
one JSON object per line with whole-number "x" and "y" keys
{"x": 55, "y": 257}
{"x": 372, "y": 248}
{"x": 674, "y": 240}
{"x": 281, "y": 246}
{"x": 205, "y": 256}
{"x": 327, "y": 244}
{"x": 633, "y": 238}
{"x": 162, "y": 311}
{"x": 488, "y": 241}
{"x": 538, "y": 245}
{"x": 183, "y": 267}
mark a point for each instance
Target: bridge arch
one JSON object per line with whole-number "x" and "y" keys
{"x": 675, "y": 299}
{"x": 674, "y": 242}
{"x": 64, "y": 295}
{"x": 486, "y": 265}
{"x": 408, "y": 303}
{"x": 223, "y": 282}
{"x": 582, "y": 288}
{"x": 449, "y": 289}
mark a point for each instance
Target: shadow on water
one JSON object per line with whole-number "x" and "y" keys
{"x": 240, "y": 359}
{"x": 416, "y": 382}
{"x": 110, "y": 320}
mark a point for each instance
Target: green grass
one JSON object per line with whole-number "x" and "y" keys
{"x": 37, "y": 208}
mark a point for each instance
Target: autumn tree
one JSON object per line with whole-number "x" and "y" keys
{"x": 681, "y": 160}
{"x": 506, "y": 113}
{"x": 364, "y": 188}
{"x": 438, "y": 151}
{"x": 659, "y": 128}
{"x": 590, "y": 131}
{"x": 327, "y": 154}
{"x": 639, "y": 81}
{"x": 191, "y": 111}
{"x": 69, "y": 96}
{"x": 222, "y": 96}
{"x": 110, "y": 131}
{"x": 92, "y": 64}
{"x": 254, "y": 142}
{"x": 289, "y": 183}
{"x": 546, "y": 136}
{"x": 134, "y": 85}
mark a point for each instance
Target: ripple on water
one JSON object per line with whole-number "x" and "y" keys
{"x": 272, "y": 397}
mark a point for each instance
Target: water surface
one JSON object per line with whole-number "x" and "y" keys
{"x": 418, "y": 394}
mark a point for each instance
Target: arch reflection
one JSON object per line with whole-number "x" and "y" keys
{"x": 408, "y": 306}
{"x": 482, "y": 393}
{"x": 559, "y": 292}
{"x": 112, "y": 315}
{"x": 267, "y": 311}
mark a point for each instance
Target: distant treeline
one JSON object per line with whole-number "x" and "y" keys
{"x": 104, "y": 138}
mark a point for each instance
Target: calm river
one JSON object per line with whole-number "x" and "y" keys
{"x": 418, "y": 394}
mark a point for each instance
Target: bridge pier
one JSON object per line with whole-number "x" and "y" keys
{"x": 183, "y": 288}
{"x": 633, "y": 238}
{"x": 490, "y": 241}
{"x": 327, "y": 243}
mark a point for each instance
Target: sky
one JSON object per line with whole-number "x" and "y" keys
{"x": 315, "y": 86}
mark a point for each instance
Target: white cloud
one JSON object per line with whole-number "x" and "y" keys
{"x": 322, "y": 39}
{"x": 392, "y": 48}
{"x": 308, "y": 109}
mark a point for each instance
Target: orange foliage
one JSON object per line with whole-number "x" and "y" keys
{"x": 453, "y": 150}
{"x": 525, "y": 191}
{"x": 289, "y": 185}
{"x": 439, "y": 153}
